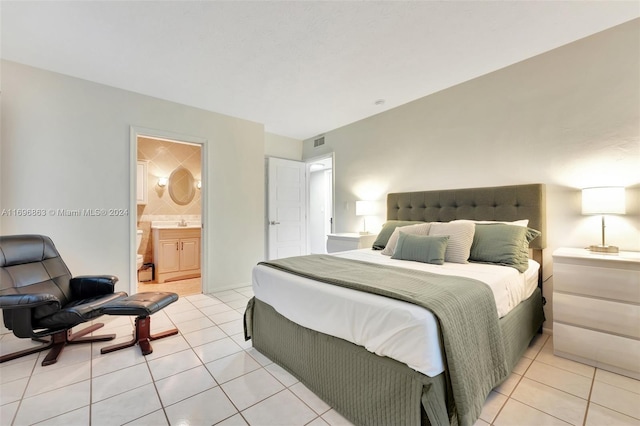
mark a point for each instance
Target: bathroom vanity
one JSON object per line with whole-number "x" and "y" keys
{"x": 176, "y": 250}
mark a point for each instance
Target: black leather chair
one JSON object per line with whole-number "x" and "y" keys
{"x": 40, "y": 299}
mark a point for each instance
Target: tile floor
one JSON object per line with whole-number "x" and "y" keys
{"x": 209, "y": 375}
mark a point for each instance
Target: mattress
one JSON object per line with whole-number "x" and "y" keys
{"x": 384, "y": 326}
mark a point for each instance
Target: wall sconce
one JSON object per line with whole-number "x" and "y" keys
{"x": 199, "y": 184}
{"x": 365, "y": 208}
{"x": 162, "y": 182}
{"x": 603, "y": 200}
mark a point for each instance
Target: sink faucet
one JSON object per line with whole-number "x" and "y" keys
{"x": 182, "y": 222}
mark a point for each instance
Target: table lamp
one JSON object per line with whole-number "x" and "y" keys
{"x": 602, "y": 201}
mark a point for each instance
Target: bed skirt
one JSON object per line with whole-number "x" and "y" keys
{"x": 363, "y": 387}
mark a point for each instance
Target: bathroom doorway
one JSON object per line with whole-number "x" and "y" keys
{"x": 169, "y": 214}
{"x": 320, "y": 195}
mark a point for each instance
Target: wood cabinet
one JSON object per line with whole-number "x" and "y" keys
{"x": 349, "y": 241}
{"x": 596, "y": 309}
{"x": 176, "y": 253}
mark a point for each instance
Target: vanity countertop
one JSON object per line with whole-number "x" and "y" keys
{"x": 175, "y": 224}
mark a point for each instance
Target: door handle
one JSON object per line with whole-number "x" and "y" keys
{"x": 273, "y": 222}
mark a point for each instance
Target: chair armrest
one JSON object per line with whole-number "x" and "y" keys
{"x": 86, "y": 286}
{"x": 27, "y": 301}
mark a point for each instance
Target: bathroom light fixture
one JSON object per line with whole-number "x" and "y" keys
{"x": 603, "y": 200}
{"x": 162, "y": 182}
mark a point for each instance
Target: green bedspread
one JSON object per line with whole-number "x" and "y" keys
{"x": 465, "y": 308}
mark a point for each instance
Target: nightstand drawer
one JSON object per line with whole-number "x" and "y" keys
{"x": 602, "y": 350}
{"x": 597, "y": 314}
{"x": 609, "y": 283}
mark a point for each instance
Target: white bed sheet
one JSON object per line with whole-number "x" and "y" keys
{"x": 384, "y": 326}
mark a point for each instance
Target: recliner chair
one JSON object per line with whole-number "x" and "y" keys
{"x": 40, "y": 298}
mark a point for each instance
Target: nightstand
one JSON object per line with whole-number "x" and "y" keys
{"x": 596, "y": 309}
{"x": 349, "y": 241}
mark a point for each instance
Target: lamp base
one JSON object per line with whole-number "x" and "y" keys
{"x": 604, "y": 249}
{"x": 364, "y": 232}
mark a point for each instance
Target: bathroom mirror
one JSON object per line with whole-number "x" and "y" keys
{"x": 181, "y": 186}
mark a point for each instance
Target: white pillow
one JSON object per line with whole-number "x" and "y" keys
{"x": 419, "y": 229}
{"x": 523, "y": 222}
{"x": 460, "y": 234}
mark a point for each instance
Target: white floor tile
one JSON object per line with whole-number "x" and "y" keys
{"x": 618, "y": 381}
{"x": 492, "y": 406}
{"x": 318, "y": 422}
{"x": 310, "y": 398}
{"x": 205, "y": 335}
{"x": 113, "y": 361}
{"x": 166, "y": 346}
{"x": 180, "y": 317}
{"x": 54, "y": 403}
{"x": 216, "y": 350}
{"x": 225, "y": 317}
{"x": 173, "y": 364}
{"x": 554, "y": 402}
{"x": 17, "y": 369}
{"x": 216, "y": 309}
{"x": 232, "y": 366}
{"x": 515, "y": 413}
{"x": 522, "y": 365}
{"x": 119, "y": 381}
{"x": 47, "y": 380}
{"x": 563, "y": 380}
{"x": 262, "y": 359}
{"x": 617, "y": 399}
{"x": 599, "y": 416}
{"x": 283, "y": 408}
{"x": 157, "y": 418}
{"x": 335, "y": 419}
{"x": 184, "y": 385}
{"x": 236, "y": 420}
{"x": 238, "y": 304}
{"x": 125, "y": 407}
{"x": 7, "y": 412}
{"x": 565, "y": 364}
{"x": 251, "y": 388}
{"x": 239, "y": 339}
{"x": 205, "y": 408}
{"x": 75, "y": 417}
{"x": 507, "y": 387}
{"x": 13, "y": 391}
{"x": 233, "y": 327}
{"x": 281, "y": 374}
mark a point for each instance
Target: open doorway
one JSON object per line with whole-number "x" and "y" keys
{"x": 169, "y": 212}
{"x": 320, "y": 215}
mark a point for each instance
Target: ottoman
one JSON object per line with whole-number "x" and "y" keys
{"x": 142, "y": 305}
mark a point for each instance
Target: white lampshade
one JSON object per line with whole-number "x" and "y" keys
{"x": 603, "y": 200}
{"x": 365, "y": 208}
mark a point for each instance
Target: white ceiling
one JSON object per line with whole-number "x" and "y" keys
{"x": 299, "y": 67}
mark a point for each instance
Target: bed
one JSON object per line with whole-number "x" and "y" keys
{"x": 395, "y": 377}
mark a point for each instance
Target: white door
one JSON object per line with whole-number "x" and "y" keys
{"x": 286, "y": 209}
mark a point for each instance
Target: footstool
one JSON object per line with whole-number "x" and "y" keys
{"x": 142, "y": 305}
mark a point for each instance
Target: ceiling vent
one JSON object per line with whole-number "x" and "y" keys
{"x": 318, "y": 142}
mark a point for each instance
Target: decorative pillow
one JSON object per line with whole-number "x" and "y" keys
{"x": 460, "y": 234}
{"x": 421, "y": 248}
{"x": 502, "y": 244}
{"x": 521, "y": 222}
{"x": 420, "y": 229}
{"x": 387, "y": 229}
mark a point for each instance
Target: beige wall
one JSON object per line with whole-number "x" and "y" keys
{"x": 569, "y": 118}
{"x": 282, "y": 147}
{"x": 66, "y": 145}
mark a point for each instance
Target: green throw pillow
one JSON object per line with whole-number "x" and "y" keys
{"x": 502, "y": 244}
{"x": 387, "y": 229}
{"x": 421, "y": 248}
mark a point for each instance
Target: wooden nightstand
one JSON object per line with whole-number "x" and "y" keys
{"x": 596, "y": 309}
{"x": 349, "y": 241}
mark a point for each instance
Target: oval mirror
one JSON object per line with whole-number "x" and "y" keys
{"x": 181, "y": 186}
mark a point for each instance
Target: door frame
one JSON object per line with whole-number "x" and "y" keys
{"x": 134, "y": 133}
{"x": 308, "y": 162}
